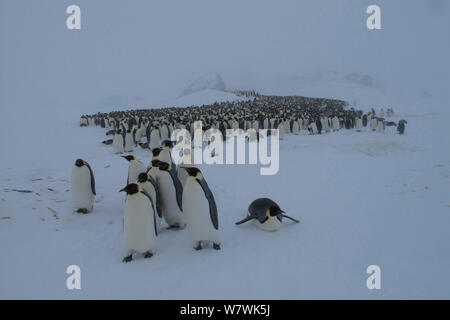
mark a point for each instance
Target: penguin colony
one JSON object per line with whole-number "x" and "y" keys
{"x": 180, "y": 195}
{"x": 290, "y": 114}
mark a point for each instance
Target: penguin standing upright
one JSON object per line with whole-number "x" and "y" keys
{"x": 135, "y": 168}
{"x": 119, "y": 142}
{"x": 373, "y": 123}
{"x": 171, "y": 192}
{"x": 335, "y": 123}
{"x": 155, "y": 138}
{"x": 380, "y": 126}
{"x": 359, "y": 124}
{"x": 83, "y": 186}
{"x": 281, "y": 131}
{"x": 312, "y": 128}
{"x": 129, "y": 141}
{"x": 148, "y": 184}
{"x": 139, "y": 223}
{"x": 200, "y": 210}
{"x": 267, "y": 213}
{"x": 295, "y": 127}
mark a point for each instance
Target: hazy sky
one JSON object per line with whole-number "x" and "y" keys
{"x": 153, "y": 49}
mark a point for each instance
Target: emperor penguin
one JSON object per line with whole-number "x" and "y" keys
{"x": 335, "y": 123}
{"x": 139, "y": 223}
{"x": 380, "y": 126}
{"x": 119, "y": 142}
{"x": 267, "y": 213}
{"x": 313, "y": 128}
{"x": 171, "y": 191}
{"x": 373, "y": 123}
{"x": 281, "y": 131}
{"x": 129, "y": 141}
{"x": 148, "y": 184}
{"x": 155, "y": 138}
{"x": 165, "y": 132}
{"x": 136, "y": 167}
{"x": 359, "y": 124}
{"x": 295, "y": 127}
{"x": 83, "y": 186}
{"x": 200, "y": 210}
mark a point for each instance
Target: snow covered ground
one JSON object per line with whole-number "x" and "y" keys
{"x": 362, "y": 198}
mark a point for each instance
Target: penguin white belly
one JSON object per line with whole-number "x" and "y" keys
{"x": 82, "y": 195}
{"x": 164, "y": 133}
{"x": 118, "y": 143}
{"x": 359, "y": 124}
{"x": 380, "y": 126}
{"x": 154, "y": 139}
{"x": 281, "y": 131}
{"x": 271, "y": 224}
{"x": 171, "y": 212}
{"x": 295, "y": 127}
{"x": 136, "y": 168}
{"x": 196, "y": 210}
{"x": 139, "y": 234}
{"x": 129, "y": 143}
{"x": 335, "y": 124}
{"x": 165, "y": 156}
{"x": 373, "y": 124}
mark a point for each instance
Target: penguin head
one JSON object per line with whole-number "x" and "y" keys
{"x": 194, "y": 172}
{"x": 155, "y": 163}
{"x": 164, "y": 166}
{"x": 167, "y": 144}
{"x": 156, "y": 152}
{"x": 275, "y": 211}
{"x": 132, "y": 188}
{"x": 79, "y": 163}
{"x": 143, "y": 177}
{"x": 129, "y": 157}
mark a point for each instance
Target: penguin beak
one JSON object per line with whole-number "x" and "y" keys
{"x": 124, "y": 189}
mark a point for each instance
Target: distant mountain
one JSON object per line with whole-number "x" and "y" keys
{"x": 208, "y": 81}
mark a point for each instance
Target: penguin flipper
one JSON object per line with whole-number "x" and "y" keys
{"x": 158, "y": 197}
{"x": 212, "y": 203}
{"x": 248, "y": 218}
{"x": 286, "y": 216}
{"x": 92, "y": 178}
{"x": 154, "y": 211}
{"x": 178, "y": 188}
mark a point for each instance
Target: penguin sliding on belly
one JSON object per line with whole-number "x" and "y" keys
{"x": 83, "y": 186}
{"x": 200, "y": 210}
{"x": 139, "y": 223}
{"x": 267, "y": 213}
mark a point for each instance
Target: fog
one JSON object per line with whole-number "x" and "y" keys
{"x": 142, "y": 52}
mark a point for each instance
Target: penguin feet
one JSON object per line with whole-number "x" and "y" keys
{"x": 216, "y": 246}
{"x": 175, "y": 226}
{"x": 128, "y": 258}
{"x": 148, "y": 254}
{"x": 82, "y": 210}
{"x": 199, "y": 246}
